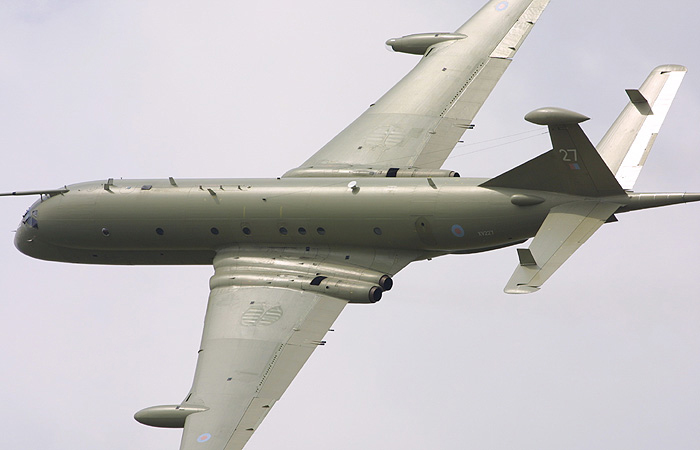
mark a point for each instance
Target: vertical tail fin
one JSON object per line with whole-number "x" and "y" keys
{"x": 573, "y": 166}
{"x": 627, "y": 143}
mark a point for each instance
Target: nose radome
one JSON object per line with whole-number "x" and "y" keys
{"x": 25, "y": 239}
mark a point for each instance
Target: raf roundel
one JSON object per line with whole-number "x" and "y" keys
{"x": 204, "y": 437}
{"x": 502, "y": 6}
{"x": 457, "y": 231}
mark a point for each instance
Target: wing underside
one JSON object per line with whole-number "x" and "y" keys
{"x": 255, "y": 341}
{"x": 268, "y": 310}
{"x": 420, "y": 120}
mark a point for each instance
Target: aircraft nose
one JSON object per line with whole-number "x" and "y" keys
{"x": 25, "y": 237}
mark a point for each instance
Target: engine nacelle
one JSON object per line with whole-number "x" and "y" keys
{"x": 350, "y": 290}
{"x": 354, "y": 291}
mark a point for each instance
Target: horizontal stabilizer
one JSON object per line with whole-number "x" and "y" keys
{"x": 627, "y": 143}
{"x": 564, "y": 230}
{"x": 572, "y": 167}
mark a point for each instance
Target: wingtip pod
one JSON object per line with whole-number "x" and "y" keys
{"x": 554, "y": 116}
{"x": 418, "y": 44}
{"x": 166, "y": 416}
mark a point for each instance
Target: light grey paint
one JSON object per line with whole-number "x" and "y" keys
{"x": 419, "y": 120}
{"x": 605, "y": 356}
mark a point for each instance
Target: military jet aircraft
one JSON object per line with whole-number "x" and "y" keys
{"x": 289, "y": 253}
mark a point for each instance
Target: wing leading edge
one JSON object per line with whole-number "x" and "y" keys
{"x": 419, "y": 121}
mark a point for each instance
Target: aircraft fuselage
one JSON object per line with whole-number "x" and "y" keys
{"x": 186, "y": 221}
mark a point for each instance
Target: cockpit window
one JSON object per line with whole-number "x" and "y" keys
{"x": 30, "y": 217}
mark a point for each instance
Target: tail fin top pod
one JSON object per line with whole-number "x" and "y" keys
{"x": 573, "y": 166}
{"x": 627, "y": 143}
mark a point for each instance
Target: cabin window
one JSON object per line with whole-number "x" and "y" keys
{"x": 246, "y": 231}
{"x": 302, "y": 230}
{"x": 105, "y": 231}
{"x": 214, "y": 231}
{"x": 377, "y": 231}
{"x": 283, "y": 231}
{"x": 160, "y": 231}
{"x": 321, "y": 231}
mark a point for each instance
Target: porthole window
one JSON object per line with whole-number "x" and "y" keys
{"x": 283, "y": 231}
{"x": 105, "y": 231}
{"x": 214, "y": 231}
{"x": 160, "y": 231}
{"x": 377, "y": 231}
{"x": 302, "y": 230}
{"x": 246, "y": 231}
{"x": 321, "y": 231}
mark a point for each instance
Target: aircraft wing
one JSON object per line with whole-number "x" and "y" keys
{"x": 419, "y": 121}
{"x": 268, "y": 310}
{"x": 566, "y": 228}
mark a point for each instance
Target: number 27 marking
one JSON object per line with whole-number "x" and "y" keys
{"x": 569, "y": 155}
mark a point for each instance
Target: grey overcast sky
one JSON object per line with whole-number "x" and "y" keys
{"x": 606, "y": 356}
